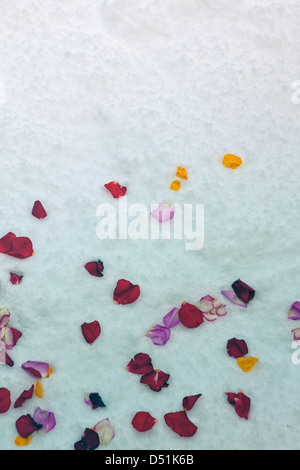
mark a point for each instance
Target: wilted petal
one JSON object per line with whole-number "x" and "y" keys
{"x": 294, "y": 311}
{"x": 189, "y": 402}
{"x": 156, "y": 380}
{"x": 116, "y": 189}
{"x": 95, "y": 268}
{"x": 91, "y": 331}
{"x": 38, "y": 210}
{"x": 209, "y": 316}
{"x": 37, "y": 369}
{"x": 5, "y": 401}
{"x": 89, "y": 440}
{"x": 126, "y": 292}
{"x": 45, "y": 419}
{"x": 93, "y": 400}
{"x": 141, "y": 364}
{"x": 206, "y": 304}
{"x": 159, "y": 334}
{"x": 243, "y": 291}
{"x": 237, "y": 347}
{"x": 163, "y": 212}
{"x": 180, "y": 423}
{"x": 231, "y": 295}
{"x": 143, "y": 421}
{"x": 171, "y": 319}
{"x": 25, "y": 395}
{"x": 18, "y": 247}
{"x": 105, "y": 431}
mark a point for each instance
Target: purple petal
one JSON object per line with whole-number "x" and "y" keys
{"x": 36, "y": 369}
{"x": 294, "y": 311}
{"x": 231, "y": 295}
{"x": 296, "y": 332}
{"x": 171, "y": 319}
{"x": 45, "y": 418}
{"x": 159, "y": 334}
{"x": 163, "y": 212}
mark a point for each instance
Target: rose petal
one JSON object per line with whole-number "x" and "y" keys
{"x": 37, "y": 369}
{"x": 180, "y": 423}
{"x": 190, "y": 316}
{"x": 94, "y": 400}
{"x": 241, "y": 403}
{"x": 18, "y": 247}
{"x": 26, "y": 425}
{"x": 243, "y": 291}
{"x": 296, "y": 332}
{"x": 247, "y": 363}
{"x": 5, "y": 401}
{"x": 232, "y": 161}
{"x": 116, "y": 189}
{"x": 141, "y": 364}
{"x": 25, "y": 395}
{"x": 294, "y": 311}
{"x": 10, "y": 337}
{"x": 189, "y": 401}
{"x": 206, "y": 304}
{"x": 91, "y": 331}
{"x": 105, "y": 431}
{"x": 89, "y": 440}
{"x": 6, "y": 241}
{"x": 95, "y": 268}
{"x": 171, "y": 319}
{"x": 182, "y": 173}
{"x": 163, "y": 212}
{"x": 45, "y": 419}
{"x": 38, "y": 210}
{"x": 237, "y": 347}
{"x": 156, "y": 380}
{"x": 15, "y": 278}
{"x": 5, "y": 358}
{"x": 143, "y": 421}
{"x": 4, "y": 317}
{"x": 159, "y": 334}
{"x": 126, "y": 292}
{"x": 231, "y": 295}
{"x": 210, "y": 316}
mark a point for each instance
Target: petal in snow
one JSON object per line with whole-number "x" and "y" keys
{"x": 247, "y": 363}
{"x": 95, "y": 268}
{"x": 163, "y": 212}
{"x": 189, "y": 402}
{"x": 171, "y": 319}
{"x": 294, "y": 311}
{"x": 159, "y": 334}
{"x": 143, "y": 421}
{"x": 4, "y": 317}
{"x": 94, "y": 400}
{"x": 126, "y": 292}
{"x": 141, "y": 364}
{"x": 5, "y": 358}
{"x": 18, "y": 247}
{"x": 175, "y": 185}
{"x": 180, "y": 423}
{"x": 181, "y": 173}
{"x": 190, "y": 316}
{"x": 156, "y": 380}
{"x": 25, "y": 395}
{"x": 241, "y": 403}
{"x": 116, "y": 189}
{"x": 26, "y": 426}
{"x": 45, "y": 419}
{"x": 10, "y": 337}
{"x": 5, "y": 401}
{"x": 232, "y": 161}
{"x": 237, "y": 347}
{"x": 15, "y": 278}
{"x": 38, "y": 210}
{"x": 231, "y": 295}
{"x": 243, "y": 291}
{"x": 89, "y": 440}
{"x": 37, "y": 369}
{"x": 105, "y": 431}
{"x": 91, "y": 331}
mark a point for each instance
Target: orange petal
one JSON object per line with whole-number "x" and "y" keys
{"x": 246, "y": 363}
{"x": 181, "y": 173}
{"x": 49, "y": 372}
{"x": 38, "y": 389}
{"x": 232, "y": 161}
{"x": 175, "y": 185}
{"x": 23, "y": 441}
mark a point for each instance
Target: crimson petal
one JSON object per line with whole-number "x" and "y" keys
{"x": 38, "y": 210}
{"x": 180, "y": 423}
{"x": 143, "y": 421}
{"x": 156, "y": 380}
{"x": 6, "y": 241}
{"x": 25, "y": 395}
{"x": 189, "y": 402}
{"x": 5, "y": 401}
{"x": 126, "y": 292}
{"x": 5, "y": 358}
{"x": 89, "y": 441}
{"x": 91, "y": 331}
{"x": 95, "y": 268}
{"x": 190, "y": 316}
{"x": 15, "y": 278}
{"x": 141, "y": 364}
{"x": 241, "y": 403}
{"x": 243, "y": 291}
{"x": 237, "y": 347}
{"x": 116, "y": 189}
{"x": 26, "y": 425}
{"x": 21, "y": 248}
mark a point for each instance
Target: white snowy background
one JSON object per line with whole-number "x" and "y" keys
{"x": 127, "y": 90}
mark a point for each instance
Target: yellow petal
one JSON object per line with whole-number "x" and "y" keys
{"x": 232, "y": 161}
{"x": 49, "y": 372}
{"x": 181, "y": 173}
{"x": 38, "y": 389}
{"x": 23, "y": 441}
{"x": 175, "y": 185}
{"x": 246, "y": 363}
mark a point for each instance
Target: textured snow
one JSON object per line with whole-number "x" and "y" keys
{"x": 128, "y": 90}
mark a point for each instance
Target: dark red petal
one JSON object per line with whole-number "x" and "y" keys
{"x": 26, "y": 425}
{"x": 25, "y": 395}
{"x": 116, "y": 189}
{"x": 21, "y": 247}
{"x": 90, "y": 438}
{"x": 243, "y": 291}
{"x": 237, "y": 347}
{"x": 38, "y": 210}
{"x": 15, "y": 278}
{"x": 156, "y": 380}
{"x": 5, "y": 358}
{"x": 143, "y": 421}
{"x": 126, "y": 292}
{"x": 141, "y": 364}
{"x": 180, "y": 423}
{"x": 6, "y": 241}
{"x": 190, "y": 316}
{"x": 95, "y": 268}
{"x": 91, "y": 331}
{"x": 189, "y": 402}
{"x": 80, "y": 445}
{"x": 5, "y": 401}
{"x": 241, "y": 403}
{"x": 16, "y": 334}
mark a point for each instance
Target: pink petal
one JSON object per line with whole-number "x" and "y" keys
{"x": 210, "y": 316}
{"x": 10, "y": 337}
{"x": 44, "y": 418}
{"x": 163, "y": 212}
{"x": 296, "y": 332}
{"x": 231, "y": 295}
{"x": 171, "y": 319}
{"x": 36, "y": 369}
{"x": 159, "y": 334}
{"x": 206, "y": 304}
{"x": 294, "y": 311}
{"x": 105, "y": 431}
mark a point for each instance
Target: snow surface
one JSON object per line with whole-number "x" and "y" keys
{"x": 127, "y": 90}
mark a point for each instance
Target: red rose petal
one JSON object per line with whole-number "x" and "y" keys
{"x": 156, "y": 380}
{"x": 38, "y": 210}
{"x": 91, "y": 331}
{"x": 180, "y": 423}
{"x": 116, "y": 189}
{"x": 25, "y": 395}
{"x": 5, "y": 358}
{"x": 241, "y": 403}
{"x": 237, "y": 347}
{"x": 26, "y": 425}
{"x": 190, "y": 316}
{"x": 6, "y": 241}
{"x": 189, "y": 402}
{"x": 143, "y": 421}
{"x": 5, "y": 401}
{"x": 243, "y": 291}
{"x": 19, "y": 247}
{"x": 16, "y": 334}
{"x": 95, "y": 268}
{"x": 126, "y": 292}
{"x": 15, "y": 278}
{"x": 141, "y": 364}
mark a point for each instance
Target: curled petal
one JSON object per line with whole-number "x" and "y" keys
{"x": 95, "y": 268}
{"x": 38, "y": 210}
{"x": 37, "y": 369}
{"x": 190, "y": 316}
{"x": 231, "y": 295}
{"x": 143, "y": 421}
{"x": 159, "y": 334}
{"x": 45, "y": 419}
{"x": 105, "y": 431}
{"x": 25, "y": 395}
{"x": 15, "y": 278}
{"x": 141, "y": 364}
{"x": 171, "y": 319}
{"x": 237, "y": 347}
{"x": 180, "y": 423}
{"x": 126, "y": 292}
{"x": 156, "y": 380}
{"x": 4, "y": 317}
{"x": 93, "y": 400}
{"x": 163, "y": 212}
{"x": 209, "y": 316}
{"x": 189, "y": 402}
{"x": 91, "y": 331}
{"x": 5, "y": 358}
{"x": 294, "y": 311}
{"x": 5, "y": 401}
{"x": 10, "y": 337}
{"x": 206, "y": 304}
{"x": 243, "y": 291}
{"x": 26, "y": 426}
{"x": 241, "y": 403}
{"x": 296, "y": 333}
{"x": 116, "y": 189}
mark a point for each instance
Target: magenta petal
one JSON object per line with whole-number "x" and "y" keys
{"x": 163, "y": 212}
{"x": 171, "y": 319}
{"x": 36, "y": 369}
{"x": 294, "y": 311}
{"x": 296, "y": 332}
{"x": 44, "y": 418}
{"x": 231, "y": 295}
{"x": 159, "y": 334}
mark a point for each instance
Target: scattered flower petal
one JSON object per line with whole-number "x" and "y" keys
{"x": 163, "y": 212}
{"x": 231, "y": 295}
{"x": 9, "y": 337}
{"x": 37, "y": 369}
{"x": 18, "y": 247}
{"x": 15, "y": 279}
{"x": 190, "y": 316}
{"x": 232, "y": 161}
{"x": 38, "y": 210}
{"x": 294, "y": 311}
{"x": 189, "y": 402}
{"x": 156, "y": 380}
{"x": 25, "y": 395}
{"x": 243, "y": 291}
{"x": 105, "y": 431}
{"x": 93, "y": 400}
{"x": 38, "y": 391}
{"x": 181, "y": 173}
{"x": 241, "y": 403}
{"x": 296, "y": 332}
{"x": 116, "y": 189}
{"x": 171, "y": 319}
{"x": 95, "y": 268}
{"x": 180, "y": 423}
{"x": 141, "y": 364}
{"x": 26, "y": 425}
{"x": 237, "y": 347}
{"x": 89, "y": 440}
{"x": 5, "y": 401}
{"x": 159, "y": 334}
{"x": 91, "y": 331}
{"x": 22, "y": 441}
{"x": 45, "y": 419}
{"x": 247, "y": 363}
{"x": 126, "y": 292}
{"x": 143, "y": 421}
{"x": 5, "y": 358}
{"x": 4, "y": 317}
{"x": 175, "y": 185}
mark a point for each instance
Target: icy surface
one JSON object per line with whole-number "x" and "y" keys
{"x": 127, "y": 90}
